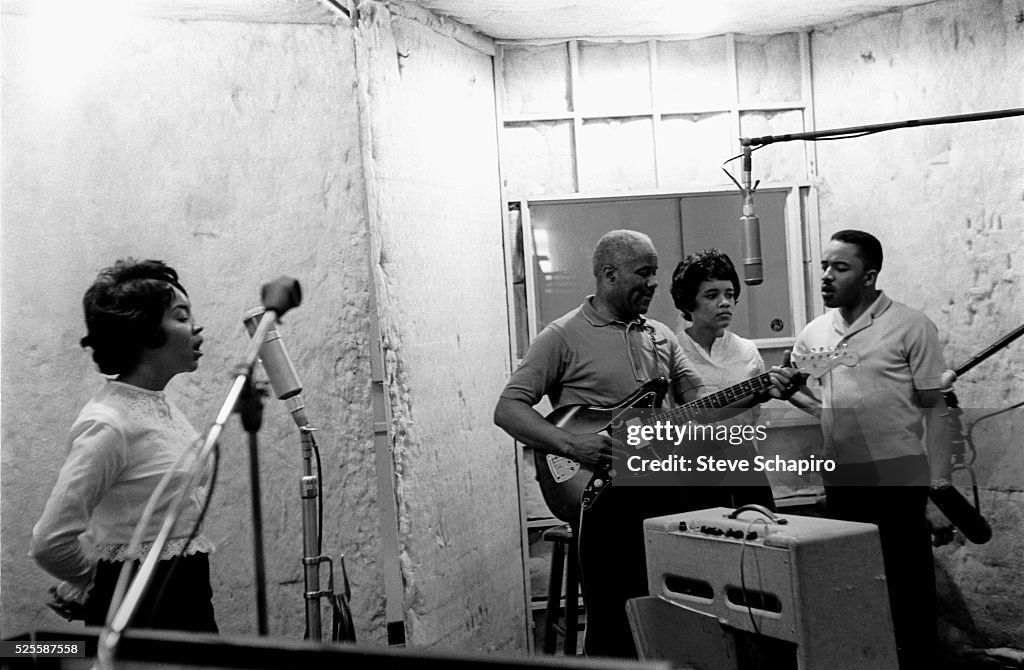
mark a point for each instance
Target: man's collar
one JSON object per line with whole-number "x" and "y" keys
{"x": 596, "y": 318}
{"x": 881, "y": 303}
{"x": 876, "y": 309}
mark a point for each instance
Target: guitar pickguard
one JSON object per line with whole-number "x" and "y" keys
{"x": 562, "y": 469}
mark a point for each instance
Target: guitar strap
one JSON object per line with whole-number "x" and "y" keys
{"x": 659, "y": 371}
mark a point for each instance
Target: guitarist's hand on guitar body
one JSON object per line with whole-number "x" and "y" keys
{"x": 593, "y": 450}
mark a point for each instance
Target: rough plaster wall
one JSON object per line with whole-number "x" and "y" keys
{"x": 438, "y": 270}
{"x": 231, "y": 151}
{"x": 948, "y": 204}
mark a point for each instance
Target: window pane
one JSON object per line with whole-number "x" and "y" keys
{"x": 714, "y": 221}
{"x": 564, "y": 236}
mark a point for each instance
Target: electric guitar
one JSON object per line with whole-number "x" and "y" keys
{"x": 568, "y": 485}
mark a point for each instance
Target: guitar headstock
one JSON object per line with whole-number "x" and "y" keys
{"x": 817, "y": 363}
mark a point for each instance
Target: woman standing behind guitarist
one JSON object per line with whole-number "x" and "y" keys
{"x": 597, "y": 355}
{"x": 706, "y": 288}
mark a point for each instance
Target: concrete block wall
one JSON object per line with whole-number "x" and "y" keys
{"x": 947, "y": 203}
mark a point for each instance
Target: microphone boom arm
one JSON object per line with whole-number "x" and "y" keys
{"x": 880, "y": 127}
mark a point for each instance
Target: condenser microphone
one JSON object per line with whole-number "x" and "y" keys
{"x": 962, "y": 514}
{"x": 753, "y": 272}
{"x": 750, "y": 228}
{"x": 278, "y": 365}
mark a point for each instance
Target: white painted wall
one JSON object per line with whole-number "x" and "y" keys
{"x": 235, "y": 152}
{"x": 947, "y": 203}
{"x": 439, "y": 275}
{"x": 231, "y": 151}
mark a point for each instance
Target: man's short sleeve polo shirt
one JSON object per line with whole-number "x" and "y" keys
{"x": 869, "y": 410}
{"x": 586, "y": 358}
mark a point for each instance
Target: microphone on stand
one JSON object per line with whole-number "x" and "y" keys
{"x": 278, "y": 297}
{"x": 753, "y": 272}
{"x": 278, "y": 365}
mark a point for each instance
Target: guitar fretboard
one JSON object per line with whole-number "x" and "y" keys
{"x": 719, "y": 399}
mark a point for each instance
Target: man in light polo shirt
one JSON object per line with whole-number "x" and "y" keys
{"x": 599, "y": 354}
{"x": 882, "y": 422}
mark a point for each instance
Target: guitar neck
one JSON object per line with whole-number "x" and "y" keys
{"x": 720, "y": 399}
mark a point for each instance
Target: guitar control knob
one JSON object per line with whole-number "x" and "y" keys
{"x": 598, "y": 483}
{"x": 612, "y": 473}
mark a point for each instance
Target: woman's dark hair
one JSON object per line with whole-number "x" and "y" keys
{"x": 702, "y": 266}
{"x": 124, "y": 309}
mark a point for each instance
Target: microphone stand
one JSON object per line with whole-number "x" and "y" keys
{"x": 291, "y": 392}
{"x": 309, "y": 485}
{"x": 311, "y": 541}
{"x": 250, "y": 409}
{"x": 127, "y": 603}
{"x": 959, "y": 452}
{"x": 958, "y": 440}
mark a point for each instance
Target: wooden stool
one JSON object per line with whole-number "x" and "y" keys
{"x": 564, "y": 543}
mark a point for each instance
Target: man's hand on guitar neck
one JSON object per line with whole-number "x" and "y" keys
{"x": 786, "y": 380}
{"x": 788, "y": 384}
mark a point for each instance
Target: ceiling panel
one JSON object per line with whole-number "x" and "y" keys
{"x": 561, "y": 19}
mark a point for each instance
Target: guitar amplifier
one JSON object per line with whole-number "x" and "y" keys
{"x": 818, "y": 584}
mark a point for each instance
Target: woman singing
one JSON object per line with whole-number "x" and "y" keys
{"x": 142, "y": 332}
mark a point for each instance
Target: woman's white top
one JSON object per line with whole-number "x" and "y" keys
{"x": 122, "y": 443}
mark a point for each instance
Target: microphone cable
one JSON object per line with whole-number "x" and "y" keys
{"x": 971, "y": 425}
{"x": 319, "y": 495}
{"x": 342, "y": 621}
